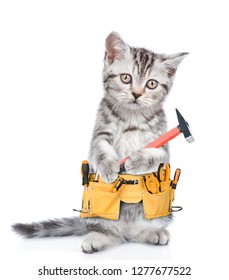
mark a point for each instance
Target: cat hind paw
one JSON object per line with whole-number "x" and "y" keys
{"x": 159, "y": 238}
{"x": 95, "y": 242}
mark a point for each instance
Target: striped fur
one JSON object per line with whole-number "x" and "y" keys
{"x": 129, "y": 116}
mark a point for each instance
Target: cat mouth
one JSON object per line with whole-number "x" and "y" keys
{"x": 134, "y": 103}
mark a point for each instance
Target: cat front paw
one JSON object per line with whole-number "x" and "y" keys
{"x": 108, "y": 171}
{"x": 145, "y": 160}
{"x": 135, "y": 164}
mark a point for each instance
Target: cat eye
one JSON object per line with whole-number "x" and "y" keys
{"x": 151, "y": 84}
{"x": 126, "y": 78}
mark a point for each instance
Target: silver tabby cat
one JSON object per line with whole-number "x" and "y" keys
{"x": 136, "y": 83}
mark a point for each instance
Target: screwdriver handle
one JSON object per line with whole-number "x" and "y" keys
{"x": 176, "y": 178}
{"x": 85, "y": 173}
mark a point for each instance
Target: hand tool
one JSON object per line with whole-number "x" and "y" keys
{"x": 123, "y": 181}
{"x": 116, "y": 188}
{"x": 152, "y": 184}
{"x": 96, "y": 177}
{"x": 167, "y": 172}
{"x": 161, "y": 172}
{"x": 176, "y": 178}
{"x": 85, "y": 181}
{"x": 85, "y": 173}
{"x": 160, "y": 175}
{"x": 183, "y": 127}
{"x": 144, "y": 180}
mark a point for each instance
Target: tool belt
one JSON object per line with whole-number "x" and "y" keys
{"x": 155, "y": 190}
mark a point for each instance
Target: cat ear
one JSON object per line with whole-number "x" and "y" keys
{"x": 171, "y": 62}
{"x": 116, "y": 48}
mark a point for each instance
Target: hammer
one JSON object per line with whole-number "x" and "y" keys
{"x": 182, "y": 127}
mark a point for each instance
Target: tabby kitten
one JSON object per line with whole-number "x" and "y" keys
{"x": 136, "y": 83}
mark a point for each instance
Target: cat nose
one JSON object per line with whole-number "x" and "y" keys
{"x": 136, "y": 95}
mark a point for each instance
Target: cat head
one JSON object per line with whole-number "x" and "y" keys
{"x": 136, "y": 78}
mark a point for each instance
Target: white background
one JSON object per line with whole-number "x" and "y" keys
{"x": 51, "y": 58}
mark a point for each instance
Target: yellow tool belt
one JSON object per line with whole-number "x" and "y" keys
{"x": 103, "y": 200}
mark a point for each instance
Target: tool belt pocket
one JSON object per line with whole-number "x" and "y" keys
{"x": 157, "y": 204}
{"x": 100, "y": 201}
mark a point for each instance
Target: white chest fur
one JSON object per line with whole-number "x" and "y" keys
{"x": 132, "y": 136}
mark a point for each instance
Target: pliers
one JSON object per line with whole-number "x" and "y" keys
{"x": 167, "y": 171}
{"x": 163, "y": 174}
{"x": 160, "y": 175}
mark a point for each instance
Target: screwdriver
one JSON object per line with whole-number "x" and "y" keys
{"x": 176, "y": 178}
{"x": 85, "y": 173}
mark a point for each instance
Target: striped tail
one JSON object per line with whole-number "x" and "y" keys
{"x": 53, "y": 228}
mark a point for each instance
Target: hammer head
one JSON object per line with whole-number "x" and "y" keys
{"x": 184, "y": 128}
